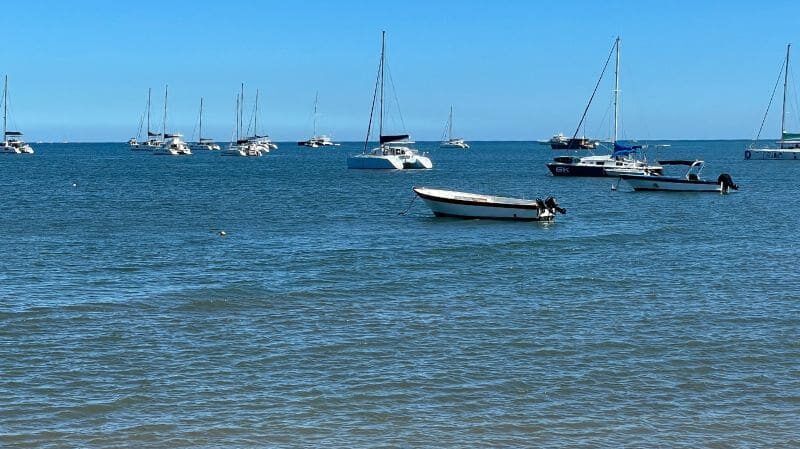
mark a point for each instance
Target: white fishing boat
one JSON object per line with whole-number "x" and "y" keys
{"x": 450, "y": 141}
{"x": 173, "y": 142}
{"x": 317, "y": 140}
{"x": 253, "y": 146}
{"x": 202, "y": 142}
{"x": 789, "y": 144}
{"x": 623, "y": 157}
{"x": 153, "y": 139}
{"x": 12, "y": 140}
{"x": 690, "y": 182}
{"x": 448, "y": 203}
{"x": 393, "y": 151}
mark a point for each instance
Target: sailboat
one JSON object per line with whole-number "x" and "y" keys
{"x": 173, "y": 143}
{"x": 12, "y": 140}
{"x": 317, "y": 141}
{"x": 452, "y": 142}
{"x": 621, "y": 160}
{"x": 393, "y": 151}
{"x": 246, "y": 146}
{"x": 203, "y": 143}
{"x": 789, "y": 145}
{"x": 153, "y": 140}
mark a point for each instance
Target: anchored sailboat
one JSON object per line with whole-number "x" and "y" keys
{"x": 789, "y": 145}
{"x": 393, "y": 151}
{"x": 246, "y": 146}
{"x": 452, "y": 142}
{"x": 317, "y": 141}
{"x": 621, "y": 160}
{"x": 153, "y": 140}
{"x": 12, "y": 140}
{"x": 173, "y": 143}
{"x": 203, "y": 143}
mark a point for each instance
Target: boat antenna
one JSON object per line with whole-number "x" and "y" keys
{"x": 616, "y": 91}
{"x": 374, "y": 98}
{"x": 586, "y": 110}
{"x": 785, "y": 81}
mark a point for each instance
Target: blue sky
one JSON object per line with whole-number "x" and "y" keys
{"x": 514, "y": 70}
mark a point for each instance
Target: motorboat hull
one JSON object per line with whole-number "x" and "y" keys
{"x": 670, "y": 184}
{"x": 772, "y": 154}
{"x": 446, "y": 203}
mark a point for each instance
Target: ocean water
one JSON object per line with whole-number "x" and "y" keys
{"x": 327, "y": 318}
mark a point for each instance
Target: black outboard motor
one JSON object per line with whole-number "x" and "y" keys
{"x": 727, "y": 182}
{"x": 552, "y": 204}
{"x": 540, "y": 204}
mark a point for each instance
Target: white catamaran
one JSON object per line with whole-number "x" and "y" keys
{"x": 203, "y": 143}
{"x": 789, "y": 145}
{"x": 173, "y": 143}
{"x": 316, "y": 140}
{"x": 12, "y": 140}
{"x": 452, "y": 142}
{"x": 393, "y": 151}
{"x": 153, "y": 139}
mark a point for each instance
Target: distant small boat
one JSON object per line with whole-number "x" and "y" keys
{"x": 12, "y": 140}
{"x": 203, "y": 143}
{"x": 173, "y": 143}
{"x": 789, "y": 145}
{"x": 448, "y": 203}
{"x": 562, "y": 142}
{"x": 316, "y": 140}
{"x": 452, "y": 142}
{"x": 691, "y": 182}
{"x": 393, "y": 151}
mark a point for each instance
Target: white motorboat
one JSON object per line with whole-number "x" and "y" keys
{"x": 153, "y": 140}
{"x": 316, "y": 140}
{"x": 448, "y": 203}
{"x": 789, "y": 144}
{"x": 202, "y": 142}
{"x": 691, "y": 182}
{"x": 12, "y": 140}
{"x": 562, "y": 142}
{"x": 173, "y": 142}
{"x": 393, "y": 151}
{"x": 450, "y": 141}
{"x": 622, "y": 159}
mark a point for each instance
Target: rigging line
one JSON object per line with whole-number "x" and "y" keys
{"x": 794, "y": 92}
{"x": 372, "y": 108}
{"x": 396, "y": 101}
{"x": 586, "y": 110}
{"x": 772, "y": 97}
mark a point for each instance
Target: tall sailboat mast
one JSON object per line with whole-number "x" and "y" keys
{"x": 383, "y": 50}
{"x": 241, "y": 107}
{"x": 785, "y": 83}
{"x": 316, "y": 100}
{"x": 200, "y": 128}
{"x": 450, "y": 125}
{"x": 616, "y": 91}
{"x": 164, "y": 123}
{"x": 148, "y": 112}
{"x": 5, "y": 107}
{"x": 255, "y": 117}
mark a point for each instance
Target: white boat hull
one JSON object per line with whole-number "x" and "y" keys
{"x": 446, "y": 203}
{"x": 666, "y": 184}
{"x": 374, "y": 162}
{"x": 773, "y": 154}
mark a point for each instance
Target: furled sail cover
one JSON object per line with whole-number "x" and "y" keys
{"x": 152, "y": 134}
{"x": 622, "y": 150}
{"x": 387, "y": 139}
{"x": 791, "y": 136}
{"x": 13, "y": 133}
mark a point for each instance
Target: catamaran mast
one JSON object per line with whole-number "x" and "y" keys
{"x": 450, "y": 125}
{"x": 785, "y": 81}
{"x": 616, "y": 91}
{"x": 383, "y": 49}
{"x": 148, "y": 112}
{"x": 200, "y": 130}
{"x": 164, "y": 124}
{"x": 5, "y": 107}
{"x": 316, "y": 99}
{"x": 255, "y": 117}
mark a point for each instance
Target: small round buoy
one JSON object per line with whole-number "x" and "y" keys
{"x": 74, "y": 184}
{"x": 222, "y": 233}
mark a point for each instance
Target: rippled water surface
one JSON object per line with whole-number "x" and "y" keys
{"x": 326, "y": 318}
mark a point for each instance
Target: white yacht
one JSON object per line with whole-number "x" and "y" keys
{"x": 253, "y": 146}
{"x": 153, "y": 139}
{"x": 789, "y": 144}
{"x": 202, "y": 142}
{"x": 621, "y": 160}
{"x": 173, "y": 143}
{"x": 393, "y": 151}
{"x": 12, "y": 140}
{"x": 452, "y": 142}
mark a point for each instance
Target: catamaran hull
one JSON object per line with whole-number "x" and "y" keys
{"x": 773, "y": 154}
{"x": 468, "y": 207}
{"x": 372, "y": 162}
